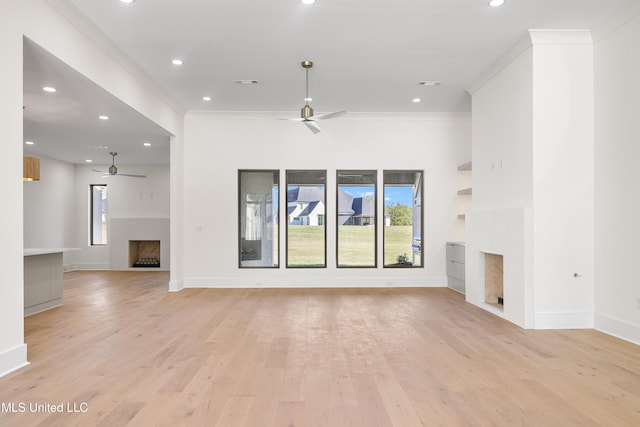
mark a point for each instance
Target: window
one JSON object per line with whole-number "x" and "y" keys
{"x": 98, "y": 215}
{"x": 356, "y": 218}
{"x": 258, "y": 201}
{"x": 306, "y": 232}
{"x": 403, "y": 219}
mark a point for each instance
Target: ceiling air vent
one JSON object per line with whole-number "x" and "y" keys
{"x": 246, "y": 82}
{"x": 430, "y": 83}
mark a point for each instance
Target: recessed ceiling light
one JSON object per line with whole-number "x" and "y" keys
{"x": 176, "y": 61}
{"x": 29, "y": 142}
{"x": 49, "y": 89}
{"x": 307, "y": 1}
{"x": 103, "y": 117}
{"x": 147, "y": 144}
{"x": 495, "y": 3}
{"x": 127, "y": 1}
{"x": 206, "y": 98}
{"x": 88, "y": 161}
{"x": 415, "y": 100}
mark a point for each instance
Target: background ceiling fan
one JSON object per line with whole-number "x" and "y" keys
{"x": 113, "y": 170}
{"x": 306, "y": 114}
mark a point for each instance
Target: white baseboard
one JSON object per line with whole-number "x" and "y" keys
{"x": 13, "y": 359}
{"x": 617, "y": 328}
{"x": 564, "y": 320}
{"x": 74, "y": 267}
{"x": 310, "y": 282}
{"x": 176, "y": 285}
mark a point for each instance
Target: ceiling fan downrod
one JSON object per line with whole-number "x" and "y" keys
{"x": 113, "y": 170}
{"x": 306, "y": 111}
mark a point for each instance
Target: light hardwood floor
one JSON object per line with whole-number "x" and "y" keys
{"x": 129, "y": 353}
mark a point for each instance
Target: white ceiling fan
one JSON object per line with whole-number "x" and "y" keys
{"x": 113, "y": 170}
{"x": 306, "y": 114}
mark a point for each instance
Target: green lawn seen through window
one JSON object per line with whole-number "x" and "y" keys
{"x": 306, "y": 243}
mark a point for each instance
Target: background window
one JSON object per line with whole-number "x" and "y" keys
{"x": 306, "y": 231}
{"x": 356, "y": 218}
{"x": 402, "y": 219}
{"x": 98, "y": 215}
{"x": 258, "y": 218}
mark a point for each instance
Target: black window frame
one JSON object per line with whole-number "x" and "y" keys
{"x": 421, "y": 196}
{"x": 91, "y": 215}
{"x": 355, "y": 179}
{"x": 323, "y": 173}
{"x": 276, "y": 175}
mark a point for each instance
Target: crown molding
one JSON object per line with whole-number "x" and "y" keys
{"x": 529, "y": 40}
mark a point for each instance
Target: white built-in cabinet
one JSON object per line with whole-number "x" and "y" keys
{"x": 456, "y": 250}
{"x": 455, "y": 266}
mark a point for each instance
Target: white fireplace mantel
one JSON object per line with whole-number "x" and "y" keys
{"x": 506, "y": 232}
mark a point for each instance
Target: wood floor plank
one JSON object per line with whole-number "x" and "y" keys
{"x": 134, "y": 354}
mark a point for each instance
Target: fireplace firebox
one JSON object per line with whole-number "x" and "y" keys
{"x": 144, "y": 253}
{"x": 493, "y": 279}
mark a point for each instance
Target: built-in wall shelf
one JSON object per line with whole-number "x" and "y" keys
{"x": 464, "y": 190}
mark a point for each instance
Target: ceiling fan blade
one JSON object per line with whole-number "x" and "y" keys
{"x": 313, "y": 127}
{"x": 329, "y": 115}
{"x": 96, "y": 170}
{"x": 131, "y": 175}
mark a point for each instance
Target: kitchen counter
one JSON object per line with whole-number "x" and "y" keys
{"x": 46, "y": 251}
{"x": 43, "y": 280}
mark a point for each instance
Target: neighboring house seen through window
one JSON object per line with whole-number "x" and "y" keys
{"x": 306, "y": 232}
{"x": 304, "y": 216}
{"x": 356, "y": 218}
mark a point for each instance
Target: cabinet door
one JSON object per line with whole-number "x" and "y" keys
{"x": 455, "y": 252}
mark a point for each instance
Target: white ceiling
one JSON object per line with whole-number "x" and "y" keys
{"x": 64, "y": 125}
{"x": 368, "y": 57}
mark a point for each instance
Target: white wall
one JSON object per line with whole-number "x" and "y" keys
{"x": 49, "y": 206}
{"x": 502, "y": 146}
{"x": 217, "y": 145}
{"x": 503, "y": 135}
{"x": 533, "y": 150}
{"x": 56, "y": 208}
{"x": 617, "y": 196}
{"x": 13, "y": 350}
{"x": 127, "y": 198}
{"x": 563, "y": 179}
{"x": 81, "y": 46}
